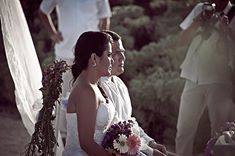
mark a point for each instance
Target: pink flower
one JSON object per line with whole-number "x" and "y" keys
{"x": 134, "y": 143}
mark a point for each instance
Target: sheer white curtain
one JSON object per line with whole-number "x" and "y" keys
{"x": 23, "y": 62}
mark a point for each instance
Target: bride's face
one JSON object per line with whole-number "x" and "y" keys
{"x": 105, "y": 62}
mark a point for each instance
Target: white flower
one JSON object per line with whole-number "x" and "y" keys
{"x": 121, "y": 144}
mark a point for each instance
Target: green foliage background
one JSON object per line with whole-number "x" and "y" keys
{"x": 149, "y": 29}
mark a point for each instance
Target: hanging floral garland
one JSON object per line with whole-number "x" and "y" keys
{"x": 43, "y": 140}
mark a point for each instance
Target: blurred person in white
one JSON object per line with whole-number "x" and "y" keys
{"x": 209, "y": 30}
{"x": 118, "y": 93}
{"x": 74, "y": 18}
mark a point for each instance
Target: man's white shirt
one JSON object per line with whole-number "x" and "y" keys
{"x": 207, "y": 61}
{"x": 117, "y": 92}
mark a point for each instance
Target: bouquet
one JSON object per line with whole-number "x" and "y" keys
{"x": 226, "y": 136}
{"x": 122, "y": 139}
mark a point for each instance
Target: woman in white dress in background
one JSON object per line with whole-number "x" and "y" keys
{"x": 89, "y": 113}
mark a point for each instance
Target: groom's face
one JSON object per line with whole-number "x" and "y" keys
{"x": 118, "y": 57}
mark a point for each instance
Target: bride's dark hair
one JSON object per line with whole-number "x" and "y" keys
{"x": 88, "y": 43}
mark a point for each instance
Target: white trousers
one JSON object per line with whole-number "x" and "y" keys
{"x": 66, "y": 87}
{"x": 194, "y": 99}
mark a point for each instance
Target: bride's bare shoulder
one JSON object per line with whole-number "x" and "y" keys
{"x": 80, "y": 95}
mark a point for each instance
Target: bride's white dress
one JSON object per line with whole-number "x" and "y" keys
{"x": 104, "y": 118}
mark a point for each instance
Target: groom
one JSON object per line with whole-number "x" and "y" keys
{"x": 118, "y": 93}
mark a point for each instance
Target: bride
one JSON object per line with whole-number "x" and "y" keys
{"x": 89, "y": 112}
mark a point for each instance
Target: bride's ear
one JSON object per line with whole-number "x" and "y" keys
{"x": 93, "y": 59}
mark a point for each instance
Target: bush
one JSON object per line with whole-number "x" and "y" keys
{"x": 155, "y": 100}
{"x": 133, "y": 25}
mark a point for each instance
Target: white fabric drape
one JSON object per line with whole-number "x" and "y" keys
{"x": 23, "y": 63}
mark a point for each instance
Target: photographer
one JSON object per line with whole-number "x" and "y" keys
{"x": 207, "y": 70}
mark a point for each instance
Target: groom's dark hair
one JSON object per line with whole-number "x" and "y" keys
{"x": 113, "y": 34}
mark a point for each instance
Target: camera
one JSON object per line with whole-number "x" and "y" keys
{"x": 209, "y": 19}
{"x": 208, "y": 10}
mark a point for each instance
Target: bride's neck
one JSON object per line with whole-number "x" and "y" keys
{"x": 89, "y": 77}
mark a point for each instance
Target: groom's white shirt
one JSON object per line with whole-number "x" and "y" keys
{"x": 117, "y": 92}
